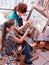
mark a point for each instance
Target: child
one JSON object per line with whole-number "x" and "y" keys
{"x": 10, "y": 38}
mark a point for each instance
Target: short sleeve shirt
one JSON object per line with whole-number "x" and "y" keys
{"x": 10, "y": 45}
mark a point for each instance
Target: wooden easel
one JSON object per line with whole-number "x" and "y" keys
{"x": 42, "y": 12}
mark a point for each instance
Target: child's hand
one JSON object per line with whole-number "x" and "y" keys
{"x": 28, "y": 30}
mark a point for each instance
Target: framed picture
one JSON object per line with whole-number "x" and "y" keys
{"x": 39, "y": 21}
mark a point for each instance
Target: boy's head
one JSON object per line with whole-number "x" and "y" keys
{"x": 20, "y": 9}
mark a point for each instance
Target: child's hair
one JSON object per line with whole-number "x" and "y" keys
{"x": 6, "y": 25}
{"x": 21, "y": 7}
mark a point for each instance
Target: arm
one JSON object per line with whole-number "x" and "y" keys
{"x": 19, "y": 36}
{"x": 20, "y": 40}
{"x": 19, "y": 29}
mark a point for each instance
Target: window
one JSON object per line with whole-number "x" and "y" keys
{"x": 8, "y": 4}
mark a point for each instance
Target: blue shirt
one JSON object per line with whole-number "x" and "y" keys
{"x": 15, "y": 16}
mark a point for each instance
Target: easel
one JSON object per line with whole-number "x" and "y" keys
{"x": 42, "y": 12}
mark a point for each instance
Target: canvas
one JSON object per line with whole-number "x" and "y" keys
{"x": 39, "y": 21}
